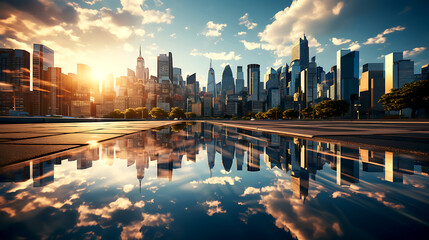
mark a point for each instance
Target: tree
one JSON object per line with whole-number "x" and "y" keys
{"x": 307, "y": 112}
{"x": 142, "y": 112}
{"x": 251, "y": 115}
{"x": 191, "y": 115}
{"x": 177, "y": 112}
{"x": 130, "y": 113}
{"x": 412, "y": 95}
{"x": 115, "y": 114}
{"x": 158, "y": 113}
{"x": 260, "y": 115}
{"x": 331, "y": 108}
{"x": 290, "y": 114}
{"x": 274, "y": 113}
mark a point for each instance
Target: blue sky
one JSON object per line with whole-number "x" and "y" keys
{"x": 105, "y": 34}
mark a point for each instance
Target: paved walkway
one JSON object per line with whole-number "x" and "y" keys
{"x": 19, "y": 142}
{"x": 408, "y": 136}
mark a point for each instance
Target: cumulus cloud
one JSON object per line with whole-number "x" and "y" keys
{"x": 380, "y": 38}
{"x": 217, "y": 55}
{"x": 132, "y": 231}
{"x": 340, "y": 41}
{"x": 301, "y": 16}
{"x": 354, "y": 46}
{"x": 214, "y": 29}
{"x": 250, "y": 191}
{"x": 218, "y": 180}
{"x": 213, "y": 207}
{"x": 91, "y": 2}
{"x": 244, "y": 20}
{"x": 414, "y": 51}
{"x": 173, "y": 35}
{"x": 241, "y": 33}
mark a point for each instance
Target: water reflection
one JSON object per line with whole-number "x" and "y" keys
{"x": 151, "y": 184}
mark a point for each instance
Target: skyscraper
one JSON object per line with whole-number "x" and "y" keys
{"x": 347, "y": 81}
{"x": 142, "y": 73}
{"x": 15, "y": 76}
{"x": 43, "y": 57}
{"x": 300, "y": 53}
{"x": 165, "y": 67}
{"x": 371, "y": 88}
{"x": 253, "y": 81}
{"x": 211, "y": 82}
{"x": 294, "y": 70}
{"x": 228, "y": 87}
{"x": 239, "y": 82}
{"x": 177, "y": 76}
{"x": 398, "y": 71}
{"x": 309, "y": 83}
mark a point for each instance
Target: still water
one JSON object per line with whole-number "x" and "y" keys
{"x": 200, "y": 181}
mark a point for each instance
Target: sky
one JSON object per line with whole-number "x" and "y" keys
{"x": 106, "y": 34}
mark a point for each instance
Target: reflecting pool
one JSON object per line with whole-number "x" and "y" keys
{"x": 201, "y": 181}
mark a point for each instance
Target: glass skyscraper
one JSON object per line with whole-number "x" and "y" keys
{"x": 300, "y": 53}
{"x": 253, "y": 81}
{"x": 347, "y": 81}
{"x": 397, "y": 71}
{"x": 43, "y": 58}
{"x": 228, "y": 87}
{"x": 211, "y": 81}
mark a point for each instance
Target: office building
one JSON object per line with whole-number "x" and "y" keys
{"x": 309, "y": 84}
{"x": 14, "y": 81}
{"x": 211, "y": 82}
{"x": 239, "y": 82}
{"x": 165, "y": 67}
{"x": 142, "y": 72}
{"x": 227, "y": 82}
{"x": 253, "y": 81}
{"x": 43, "y": 58}
{"x": 371, "y": 88}
{"x": 397, "y": 71}
{"x": 300, "y": 53}
{"x": 347, "y": 82}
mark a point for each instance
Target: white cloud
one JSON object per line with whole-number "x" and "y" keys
{"x": 340, "y": 41}
{"x": 380, "y": 37}
{"x": 301, "y": 16}
{"x": 354, "y": 46}
{"x": 320, "y": 49}
{"x": 241, "y": 33}
{"x": 91, "y": 2}
{"x": 251, "y": 45}
{"x": 158, "y": 3}
{"x": 134, "y": 7}
{"x": 223, "y": 65}
{"x": 128, "y": 47}
{"x": 173, "y": 35}
{"x": 278, "y": 62}
{"x": 214, "y": 29}
{"x": 244, "y": 20}
{"x": 414, "y": 51}
{"x": 217, "y": 56}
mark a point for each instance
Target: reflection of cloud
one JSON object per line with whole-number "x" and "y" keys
{"x": 213, "y": 207}
{"x": 105, "y": 212}
{"x": 251, "y": 190}
{"x": 218, "y": 180}
{"x": 379, "y": 196}
{"x": 128, "y": 188}
{"x": 340, "y": 194}
{"x": 293, "y": 216}
{"x": 9, "y": 211}
{"x": 139, "y": 204}
{"x": 132, "y": 231}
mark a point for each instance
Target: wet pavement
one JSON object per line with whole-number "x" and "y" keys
{"x": 204, "y": 181}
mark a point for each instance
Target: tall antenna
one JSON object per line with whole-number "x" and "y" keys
{"x": 210, "y": 63}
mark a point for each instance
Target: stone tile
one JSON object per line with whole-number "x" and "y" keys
{"x": 11, "y": 153}
{"x": 72, "y": 138}
{"x": 23, "y": 135}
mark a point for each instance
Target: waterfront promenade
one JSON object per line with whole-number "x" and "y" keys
{"x": 19, "y": 142}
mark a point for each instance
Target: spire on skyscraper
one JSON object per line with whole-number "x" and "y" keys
{"x": 140, "y": 50}
{"x": 210, "y": 63}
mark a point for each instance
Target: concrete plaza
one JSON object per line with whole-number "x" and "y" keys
{"x": 20, "y": 142}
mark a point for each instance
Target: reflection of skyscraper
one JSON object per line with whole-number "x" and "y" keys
{"x": 347, "y": 166}
{"x": 253, "y": 157}
{"x": 165, "y": 167}
{"x": 370, "y": 161}
{"x": 211, "y": 153}
{"x": 20, "y": 173}
{"x": 239, "y": 154}
{"x": 43, "y": 173}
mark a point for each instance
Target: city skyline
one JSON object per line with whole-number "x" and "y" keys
{"x": 237, "y": 38}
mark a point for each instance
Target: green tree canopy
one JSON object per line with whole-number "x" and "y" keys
{"x": 142, "y": 112}
{"x": 291, "y": 114}
{"x": 158, "y": 113}
{"x": 115, "y": 114}
{"x": 260, "y": 115}
{"x": 177, "y": 112}
{"x": 413, "y": 95}
{"x": 274, "y": 113}
{"x": 130, "y": 113}
{"x": 191, "y": 115}
{"x": 331, "y": 108}
{"x": 307, "y": 112}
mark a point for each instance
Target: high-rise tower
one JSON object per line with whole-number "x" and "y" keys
{"x": 228, "y": 87}
{"x": 142, "y": 73}
{"x": 300, "y": 53}
{"x": 211, "y": 82}
{"x": 43, "y": 58}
